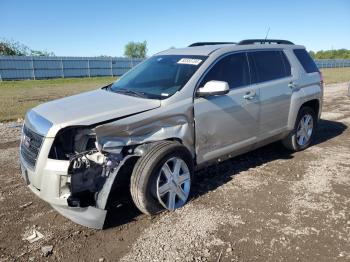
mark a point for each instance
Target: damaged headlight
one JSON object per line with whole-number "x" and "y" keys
{"x": 89, "y": 165}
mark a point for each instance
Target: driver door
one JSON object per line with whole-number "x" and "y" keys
{"x": 227, "y": 123}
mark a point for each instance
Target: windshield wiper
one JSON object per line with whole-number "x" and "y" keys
{"x": 130, "y": 92}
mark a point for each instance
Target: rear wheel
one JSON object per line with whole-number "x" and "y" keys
{"x": 303, "y": 132}
{"x": 162, "y": 178}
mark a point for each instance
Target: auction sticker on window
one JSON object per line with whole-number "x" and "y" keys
{"x": 189, "y": 61}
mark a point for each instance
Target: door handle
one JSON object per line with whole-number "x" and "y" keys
{"x": 292, "y": 85}
{"x": 249, "y": 95}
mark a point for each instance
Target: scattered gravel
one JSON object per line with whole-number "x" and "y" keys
{"x": 181, "y": 235}
{"x": 10, "y": 131}
{"x": 267, "y": 205}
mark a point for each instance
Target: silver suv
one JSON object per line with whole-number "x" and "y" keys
{"x": 175, "y": 112}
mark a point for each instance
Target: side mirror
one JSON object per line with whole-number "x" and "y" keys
{"x": 213, "y": 88}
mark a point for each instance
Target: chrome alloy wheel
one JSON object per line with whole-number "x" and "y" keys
{"x": 173, "y": 183}
{"x": 305, "y": 129}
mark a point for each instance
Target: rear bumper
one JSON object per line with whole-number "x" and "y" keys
{"x": 53, "y": 190}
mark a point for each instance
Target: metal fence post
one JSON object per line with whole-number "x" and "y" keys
{"x": 33, "y": 70}
{"x": 111, "y": 67}
{"x": 89, "y": 68}
{"x": 62, "y": 70}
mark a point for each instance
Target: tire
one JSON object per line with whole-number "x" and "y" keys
{"x": 146, "y": 179}
{"x": 293, "y": 140}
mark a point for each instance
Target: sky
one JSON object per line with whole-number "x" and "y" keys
{"x": 104, "y": 27}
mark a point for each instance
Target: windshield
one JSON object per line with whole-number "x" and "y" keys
{"x": 158, "y": 77}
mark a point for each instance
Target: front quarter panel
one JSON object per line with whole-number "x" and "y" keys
{"x": 170, "y": 121}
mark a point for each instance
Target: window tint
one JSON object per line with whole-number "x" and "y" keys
{"x": 305, "y": 60}
{"x": 268, "y": 65}
{"x": 286, "y": 63}
{"x": 232, "y": 69}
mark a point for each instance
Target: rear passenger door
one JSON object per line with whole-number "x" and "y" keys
{"x": 226, "y": 123}
{"x": 271, "y": 72}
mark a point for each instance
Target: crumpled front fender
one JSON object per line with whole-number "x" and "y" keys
{"x": 170, "y": 122}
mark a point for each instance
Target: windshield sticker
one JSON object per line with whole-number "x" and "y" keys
{"x": 164, "y": 94}
{"x": 189, "y": 61}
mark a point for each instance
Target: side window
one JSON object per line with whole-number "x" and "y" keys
{"x": 305, "y": 60}
{"x": 232, "y": 69}
{"x": 268, "y": 65}
{"x": 286, "y": 63}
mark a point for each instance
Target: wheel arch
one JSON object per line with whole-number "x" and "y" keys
{"x": 314, "y": 104}
{"x": 298, "y": 103}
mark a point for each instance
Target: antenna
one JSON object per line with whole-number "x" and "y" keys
{"x": 267, "y": 33}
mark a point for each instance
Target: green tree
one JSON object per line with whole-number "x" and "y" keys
{"x": 312, "y": 54}
{"x": 41, "y": 53}
{"x": 136, "y": 49}
{"x": 331, "y": 54}
{"x": 8, "y": 47}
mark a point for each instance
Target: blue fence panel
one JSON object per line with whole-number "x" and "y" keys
{"x": 48, "y": 73}
{"x": 47, "y": 64}
{"x": 100, "y": 72}
{"x": 16, "y": 74}
{"x": 332, "y": 63}
{"x": 76, "y": 72}
{"x": 100, "y": 63}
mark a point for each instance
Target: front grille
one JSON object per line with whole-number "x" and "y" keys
{"x": 30, "y": 146}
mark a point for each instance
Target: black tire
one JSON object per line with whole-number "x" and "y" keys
{"x": 290, "y": 142}
{"x": 146, "y": 170}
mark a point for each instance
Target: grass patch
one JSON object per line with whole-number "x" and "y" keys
{"x": 336, "y": 75}
{"x": 19, "y": 96}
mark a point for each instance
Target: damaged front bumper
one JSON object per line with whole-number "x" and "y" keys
{"x": 53, "y": 189}
{"x": 88, "y": 216}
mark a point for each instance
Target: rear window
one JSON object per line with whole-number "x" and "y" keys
{"x": 268, "y": 65}
{"x": 305, "y": 60}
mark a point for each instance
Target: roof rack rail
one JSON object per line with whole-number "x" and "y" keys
{"x": 210, "y": 43}
{"x": 265, "y": 41}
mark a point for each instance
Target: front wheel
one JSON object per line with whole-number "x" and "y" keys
{"x": 301, "y": 136}
{"x": 161, "y": 178}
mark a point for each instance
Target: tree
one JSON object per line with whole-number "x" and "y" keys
{"x": 312, "y": 54}
{"x": 41, "y": 53}
{"x": 136, "y": 49}
{"x": 8, "y": 47}
{"x": 13, "y": 48}
{"x": 331, "y": 54}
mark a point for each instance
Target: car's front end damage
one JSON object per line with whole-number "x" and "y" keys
{"x": 69, "y": 172}
{"x": 74, "y": 167}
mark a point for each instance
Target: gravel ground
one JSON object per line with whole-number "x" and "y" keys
{"x": 267, "y": 205}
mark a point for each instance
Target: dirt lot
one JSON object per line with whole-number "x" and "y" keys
{"x": 267, "y": 205}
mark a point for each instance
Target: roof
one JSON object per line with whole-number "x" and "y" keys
{"x": 196, "y": 50}
{"x": 206, "y": 50}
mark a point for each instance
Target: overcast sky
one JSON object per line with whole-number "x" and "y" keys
{"x": 92, "y": 28}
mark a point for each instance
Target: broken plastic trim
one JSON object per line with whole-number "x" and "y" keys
{"x": 90, "y": 216}
{"x": 89, "y": 172}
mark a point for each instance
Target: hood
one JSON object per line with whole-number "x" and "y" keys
{"x": 92, "y": 107}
